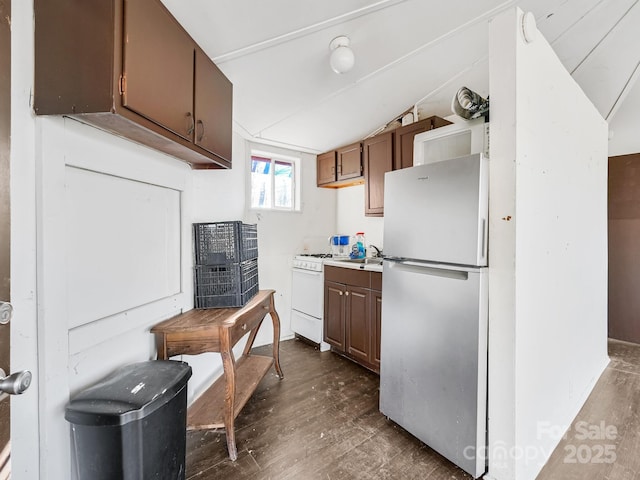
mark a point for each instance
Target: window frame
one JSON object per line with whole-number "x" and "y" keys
{"x": 275, "y": 157}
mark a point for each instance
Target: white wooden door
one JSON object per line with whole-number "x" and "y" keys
{"x": 15, "y": 383}
{"x": 5, "y": 123}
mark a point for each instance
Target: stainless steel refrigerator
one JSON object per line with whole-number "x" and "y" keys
{"x": 433, "y": 373}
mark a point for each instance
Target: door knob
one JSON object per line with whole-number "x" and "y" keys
{"x": 6, "y": 312}
{"x": 16, "y": 383}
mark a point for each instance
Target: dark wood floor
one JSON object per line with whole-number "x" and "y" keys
{"x": 612, "y": 415}
{"x": 322, "y": 422}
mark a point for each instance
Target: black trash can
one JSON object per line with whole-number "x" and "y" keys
{"x": 132, "y": 424}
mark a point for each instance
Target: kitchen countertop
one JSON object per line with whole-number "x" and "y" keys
{"x": 370, "y": 264}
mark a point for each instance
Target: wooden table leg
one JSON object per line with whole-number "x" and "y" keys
{"x": 161, "y": 346}
{"x": 252, "y": 338}
{"x": 276, "y": 336}
{"x": 229, "y": 366}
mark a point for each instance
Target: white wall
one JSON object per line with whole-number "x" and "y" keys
{"x": 548, "y": 255}
{"x": 281, "y": 235}
{"x": 222, "y": 196}
{"x": 351, "y": 218}
{"x": 102, "y": 251}
{"x": 623, "y": 127}
{"x": 111, "y": 240}
{"x": 26, "y": 449}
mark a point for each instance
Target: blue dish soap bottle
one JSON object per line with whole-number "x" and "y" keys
{"x": 358, "y": 248}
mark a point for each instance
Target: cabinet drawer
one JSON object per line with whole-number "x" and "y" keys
{"x": 248, "y": 321}
{"x": 348, "y": 276}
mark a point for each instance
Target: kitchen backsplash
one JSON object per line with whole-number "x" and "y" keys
{"x": 350, "y": 216}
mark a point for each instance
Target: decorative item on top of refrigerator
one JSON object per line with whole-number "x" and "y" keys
{"x": 358, "y": 248}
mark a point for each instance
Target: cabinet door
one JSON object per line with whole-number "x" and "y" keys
{"x": 326, "y": 168}
{"x": 158, "y": 67}
{"x": 403, "y": 155}
{"x": 334, "y": 295}
{"x": 378, "y": 159}
{"x": 376, "y": 325}
{"x": 350, "y": 161}
{"x": 357, "y": 323}
{"x": 213, "y": 105}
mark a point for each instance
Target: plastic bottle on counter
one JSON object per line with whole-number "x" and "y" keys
{"x": 358, "y": 248}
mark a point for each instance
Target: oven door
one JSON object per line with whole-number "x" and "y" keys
{"x": 307, "y": 292}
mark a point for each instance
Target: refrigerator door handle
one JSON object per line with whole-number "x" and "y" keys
{"x": 483, "y": 236}
{"x": 423, "y": 269}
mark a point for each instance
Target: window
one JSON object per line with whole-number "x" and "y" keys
{"x": 273, "y": 182}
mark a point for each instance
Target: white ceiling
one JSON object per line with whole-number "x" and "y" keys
{"x": 407, "y": 52}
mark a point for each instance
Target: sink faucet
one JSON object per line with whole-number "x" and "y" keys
{"x": 378, "y": 251}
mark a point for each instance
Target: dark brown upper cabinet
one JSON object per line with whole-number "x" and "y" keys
{"x": 341, "y": 167}
{"x": 326, "y": 168}
{"x": 213, "y": 108}
{"x": 388, "y": 151}
{"x": 350, "y": 162}
{"x": 128, "y": 67}
{"x": 404, "y": 139}
{"x": 378, "y": 160}
{"x": 157, "y": 57}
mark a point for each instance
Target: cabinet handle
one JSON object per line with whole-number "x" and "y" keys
{"x": 190, "y": 124}
{"x": 346, "y": 293}
{"x": 201, "y": 136}
{"x": 339, "y": 293}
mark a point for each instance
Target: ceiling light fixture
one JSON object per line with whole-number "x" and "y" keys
{"x": 342, "y": 58}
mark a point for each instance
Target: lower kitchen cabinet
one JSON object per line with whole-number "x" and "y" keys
{"x": 352, "y": 314}
{"x": 357, "y": 323}
{"x": 376, "y": 313}
{"x": 334, "y": 313}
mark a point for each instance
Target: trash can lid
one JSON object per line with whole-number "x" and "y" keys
{"x": 130, "y": 393}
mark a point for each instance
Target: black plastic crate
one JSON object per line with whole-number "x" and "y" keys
{"x": 227, "y": 285}
{"x": 224, "y": 242}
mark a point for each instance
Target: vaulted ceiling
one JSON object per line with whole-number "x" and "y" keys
{"x": 408, "y": 52}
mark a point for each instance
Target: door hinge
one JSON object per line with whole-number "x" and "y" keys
{"x": 122, "y": 84}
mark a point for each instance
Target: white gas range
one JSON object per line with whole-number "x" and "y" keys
{"x": 307, "y": 297}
